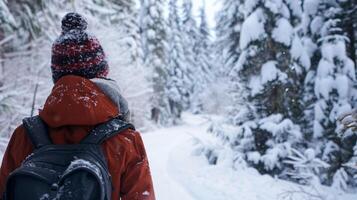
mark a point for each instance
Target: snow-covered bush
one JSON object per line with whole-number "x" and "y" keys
{"x": 305, "y": 166}
{"x": 219, "y": 152}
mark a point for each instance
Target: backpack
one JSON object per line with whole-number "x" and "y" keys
{"x": 64, "y": 172}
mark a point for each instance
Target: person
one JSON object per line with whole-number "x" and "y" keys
{"x": 82, "y": 97}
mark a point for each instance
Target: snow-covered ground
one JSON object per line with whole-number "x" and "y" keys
{"x": 179, "y": 174}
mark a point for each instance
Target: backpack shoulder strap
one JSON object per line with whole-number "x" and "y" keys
{"x": 36, "y": 129}
{"x": 106, "y": 130}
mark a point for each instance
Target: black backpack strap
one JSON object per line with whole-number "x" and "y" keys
{"x": 106, "y": 130}
{"x": 36, "y": 129}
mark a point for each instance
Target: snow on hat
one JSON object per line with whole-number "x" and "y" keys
{"x": 77, "y": 53}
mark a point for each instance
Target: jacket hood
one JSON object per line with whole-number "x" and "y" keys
{"x": 111, "y": 89}
{"x": 79, "y": 102}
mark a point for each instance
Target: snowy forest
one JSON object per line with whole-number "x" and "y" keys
{"x": 274, "y": 81}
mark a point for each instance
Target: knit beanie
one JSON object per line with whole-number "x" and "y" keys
{"x": 77, "y": 53}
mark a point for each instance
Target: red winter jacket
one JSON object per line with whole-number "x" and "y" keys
{"x": 73, "y": 108}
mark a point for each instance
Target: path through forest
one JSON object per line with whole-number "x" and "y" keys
{"x": 159, "y": 145}
{"x": 179, "y": 174}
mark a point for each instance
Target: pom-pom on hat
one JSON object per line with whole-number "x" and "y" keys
{"x": 77, "y": 53}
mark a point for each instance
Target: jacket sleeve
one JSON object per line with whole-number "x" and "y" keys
{"x": 136, "y": 181}
{"x": 18, "y": 148}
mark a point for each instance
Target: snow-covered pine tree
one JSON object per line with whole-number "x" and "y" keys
{"x": 226, "y": 49}
{"x": 154, "y": 42}
{"x": 179, "y": 81}
{"x": 228, "y": 28}
{"x": 190, "y": 37}
{"x": 203, "y": 70}
{"x": 349, "y": 25}
{"x": 7, "y": 26}
{"x": 190, "y": 33}
{"x": 310, "y": 43}
{"x": 229, "y": 22}
{"x": 20, "y": 28}
{"x": 7, "y": 21}
{"x": 28, "y": 24}
{"x": 267, "y": 84}
{"x": 126, "y": 19}
{"x": 204, "y": 44}
{"x": 335, "y": 76}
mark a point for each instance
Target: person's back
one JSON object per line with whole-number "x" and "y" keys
{"x": 76, "y": 105}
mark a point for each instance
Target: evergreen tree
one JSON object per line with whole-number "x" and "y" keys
{"x": 126, "y": 21}
{"x": 335, "y": 76}
{"x": 28, "y": 26}
{"x": 154, "y": 42}
{"x": 179, "y": 81}
{"x": 229, "y": 22}
{"x": 190, "y": 32}
{"x": 310, "y": 41}
{"x": 7, "y": 21}
{"x": 204, "y": 42}
{"x": 267, "y": 85}
{"x": 203, "y": 70}
{"x": 19, "y": 27}
{"x": 348, "y": 19}
{"x": 190, "y": 37}
{"x": 7, "y": 26}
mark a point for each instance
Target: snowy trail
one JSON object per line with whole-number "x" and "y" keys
{"x": 178, "y": 174}
{"x": 159, "y": 145}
